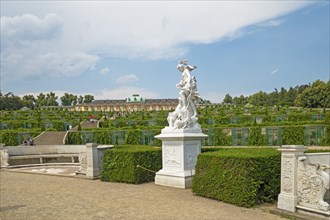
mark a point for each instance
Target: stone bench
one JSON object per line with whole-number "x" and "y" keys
{"x": 22, "y": 155}
{"x": 43, "y": 158}
{"x": 89, "y": 157}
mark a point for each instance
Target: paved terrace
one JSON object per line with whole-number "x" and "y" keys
{"x": 37, "y": 196}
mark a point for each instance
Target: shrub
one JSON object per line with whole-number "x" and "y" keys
{"x": 221, "y": 138}
{"x": 121, "y": 164}
{"x": 102, "y": 137}
{"x": 14, "y": 137}
{"x": 133, "y": 137}
{"x": 255, "y": 137}
{"x": 74, "y": 138}
{"x": 243, "y": 177}
{"x": 326, "y": 137}
{"x": 294, "y": 135}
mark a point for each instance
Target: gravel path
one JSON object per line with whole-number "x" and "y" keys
{"x": 36, "y": 196}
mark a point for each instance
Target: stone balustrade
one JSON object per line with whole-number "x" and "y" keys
{"x": 305, "y": 181}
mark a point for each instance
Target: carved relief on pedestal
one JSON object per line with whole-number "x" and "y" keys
{"x": 83, "y": 162}
{"x": 172, "y": 156}
{"x": 313, "y": 182}
{"x": 191, "y": 155}
{"x": 4, "y": 157}
{"x": 287, "y": 175}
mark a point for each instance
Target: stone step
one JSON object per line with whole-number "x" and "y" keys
{"x": 50, "y": 138}
{"x": 86, "y": 124}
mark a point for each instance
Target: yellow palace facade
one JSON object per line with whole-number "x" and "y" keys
{"x": 133, "y": 103}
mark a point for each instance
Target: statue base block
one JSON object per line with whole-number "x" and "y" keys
{"x": 181, "y": 180}
{"x": 180, "y": 149}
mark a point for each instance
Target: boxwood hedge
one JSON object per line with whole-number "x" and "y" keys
{"x": 243, "y": 177}
{"x": 131, "y": 164}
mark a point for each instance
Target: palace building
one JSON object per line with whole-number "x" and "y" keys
{"x": 133, "y": 103}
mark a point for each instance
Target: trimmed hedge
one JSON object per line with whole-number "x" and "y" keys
{"x": 243, "y": 177}
{"x": 294, "y": 135}
{"x": 116, "y": 137}
{"x": 326, "y": 137}
{"x": 256, "y": 138}
{"x": 14, "y": 138}
{"x": 252, "y": 136}
{"x": 121, "y": 164}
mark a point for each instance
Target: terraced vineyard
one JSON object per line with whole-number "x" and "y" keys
{"x": 225, "y": 125}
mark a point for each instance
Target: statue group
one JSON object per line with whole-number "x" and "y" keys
{"x": 185, "y": 114}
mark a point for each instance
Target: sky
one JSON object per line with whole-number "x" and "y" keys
{"x": 113, "y": 49}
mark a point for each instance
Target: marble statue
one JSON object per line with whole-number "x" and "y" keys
{"x": 185, "y": 114}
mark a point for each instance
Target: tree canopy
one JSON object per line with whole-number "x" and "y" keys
{"x": 316, "y": 95}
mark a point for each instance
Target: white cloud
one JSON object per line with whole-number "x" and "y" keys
{"x": 274, "y": 72}
{"x": 127, "y": 79}
{"x": 78, "y": 33}
{"x": 28, "y": 27}
{"x": 271, "y": 23}
{"x": 31, "y": 49}
{"x": 105, "y": 71}
{"x": 31, "y": 67}
{"x": 117, "y": 93}
{"x": 124, "y": 92}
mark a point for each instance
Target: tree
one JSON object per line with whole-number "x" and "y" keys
{"x": 41, "y": 100}
{"x": 29, "y": 101}
{"x": 69, "y": 99}
{"x": 51, "y": 99}
{"x": 10, "y": 102}
{"x": 88, "y": 98}
{"x": 315, "y": 96}
{"x": 273, "y": 98}
{"x": 80, "y": 99}
{"x": 228, "y": 99}
{"x": 258, "y": 99}
{"x": 239, "y": 101}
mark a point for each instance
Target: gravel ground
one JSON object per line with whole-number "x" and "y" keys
{"x": 37, "y": 196}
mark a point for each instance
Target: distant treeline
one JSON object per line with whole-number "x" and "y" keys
{"x": 10, "y": 101}
{"x": 315, "y": 95}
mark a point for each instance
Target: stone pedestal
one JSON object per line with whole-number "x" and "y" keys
{"x": 288, "y": 198}
{"x": 180, "y": 148}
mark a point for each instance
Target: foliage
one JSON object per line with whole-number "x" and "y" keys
{"x": 221, "y": 137}
{"x": 133, "y": 137}
{"x": 255, "y": 137}
{"x": 14, "y": 138}
{"x": 69, "y": 99}
{"x": 293, "y": 135}
{"x": 73, "y": 138}
{"x": 88, "y": 98}
{"x": 315, "y": 96}
{"x": 127, "y": 163}
{"x": 244, "y": 177}
{"x": 326, "y": 137}
{"x": 10, "y": 102}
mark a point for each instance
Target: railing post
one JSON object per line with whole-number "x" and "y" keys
{"x": 288, "y": 199}
{"x": 92, "y": 170}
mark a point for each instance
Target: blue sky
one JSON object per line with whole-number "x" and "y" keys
{"x": 113, "y": 49}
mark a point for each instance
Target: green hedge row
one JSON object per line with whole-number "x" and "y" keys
{"x": 131, "y": 164}
{"x": 207, "y": 120}
{"x": 243, "y": 177}
{"x": 55, "y": 125}
{"x": 14, "y": 138}
{"x": 132, "y": 137}
{"x": 253, "y": 136}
